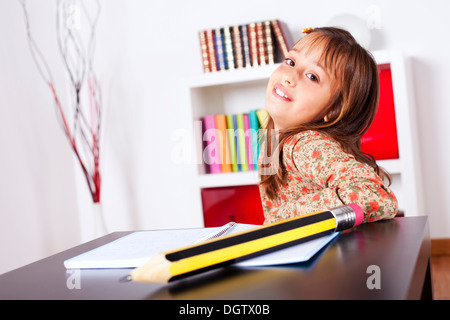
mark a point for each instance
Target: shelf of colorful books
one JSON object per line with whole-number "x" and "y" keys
{"x": 244, "y": 46}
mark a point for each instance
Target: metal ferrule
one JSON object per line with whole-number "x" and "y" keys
{"x": 345, "y": 217}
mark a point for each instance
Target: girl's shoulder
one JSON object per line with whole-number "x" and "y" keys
{"x": 310, "y": 138}
{"x": 312, "y": 144}
{"x": 316, "y": 147}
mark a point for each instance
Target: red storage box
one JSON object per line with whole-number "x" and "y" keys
{"x": 381, "y": 139}
{"x": 238, "y": 203}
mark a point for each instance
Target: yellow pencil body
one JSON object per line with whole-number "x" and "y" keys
{"x": 243, "y": 249}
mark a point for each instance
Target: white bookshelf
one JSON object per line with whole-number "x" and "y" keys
{"x": 235, "y": 91}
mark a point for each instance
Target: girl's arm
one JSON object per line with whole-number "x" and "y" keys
{"x": 330, "y": 177}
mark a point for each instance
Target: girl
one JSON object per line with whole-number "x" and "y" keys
{"x": 321, "y": 100}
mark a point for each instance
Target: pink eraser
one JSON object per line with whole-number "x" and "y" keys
{"x": 359, "y": 214}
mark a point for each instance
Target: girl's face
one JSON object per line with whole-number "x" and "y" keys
{"x": 299, "y": 90}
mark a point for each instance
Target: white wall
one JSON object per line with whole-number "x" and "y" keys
{"x": 144, "y": 50}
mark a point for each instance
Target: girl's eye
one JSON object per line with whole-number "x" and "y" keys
{"x": 312, "y": 77}
{"x": 290, "y": 62}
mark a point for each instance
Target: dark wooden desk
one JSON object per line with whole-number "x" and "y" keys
{"x": 400, "y": 248}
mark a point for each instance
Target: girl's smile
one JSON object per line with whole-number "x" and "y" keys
{"x": 280, "y": 92}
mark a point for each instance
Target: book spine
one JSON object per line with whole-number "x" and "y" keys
{"x": 241, "y": 142}
{"x": 248, "y": 142}
{"x": 263, "y": 117}
{"x": 211, "y": 49}
{"x": 254, "y": 127}
{"x": 232, "y": 142}
{"x": 236, "y": 143}
{"x": 205, "y": 52}
{"x": 228, "y": 47}
{"x": 224, "y": 148}
{"x": 269, "y": 43}
{"x": 282, "y": 36}
{"x": 260, "y": 38}
{"x": 237, "y": 45}
{"x": 253, "y": 44}
{"x": 220, "y": 52}
{"x": 246, "y": 47}
{"x": 211, "y": 152}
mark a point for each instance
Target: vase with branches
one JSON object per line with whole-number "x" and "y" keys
{"x": 76, "y": 50}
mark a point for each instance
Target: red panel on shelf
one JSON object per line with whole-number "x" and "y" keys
{"x": 239, "y": 203}
{"x": 381, "y": 139}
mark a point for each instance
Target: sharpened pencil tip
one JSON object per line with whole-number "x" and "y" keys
{"x": 156, "y": 270}
{"x": 127, "y": 278}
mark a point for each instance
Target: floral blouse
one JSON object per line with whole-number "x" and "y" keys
{"x": 320, "y": 175}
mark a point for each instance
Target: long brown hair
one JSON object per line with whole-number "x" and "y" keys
{"x": 352, "y": 108}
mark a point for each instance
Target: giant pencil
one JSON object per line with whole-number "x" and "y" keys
{"x": 220, "y": 252}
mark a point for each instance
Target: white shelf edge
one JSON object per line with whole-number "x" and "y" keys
{"x": 385, "y": 56}
{"x": 232, "y": 76}
{"x": 393, "y": 166}
{"x": 215, "y": 180}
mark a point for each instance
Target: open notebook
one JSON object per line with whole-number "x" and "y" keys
{"x": 135, "y": 249}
